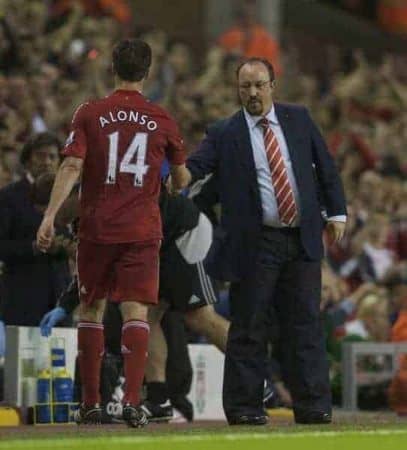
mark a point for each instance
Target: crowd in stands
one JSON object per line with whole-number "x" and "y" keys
{"x": 390, "y": 15}
{"x": 50, "y": 63}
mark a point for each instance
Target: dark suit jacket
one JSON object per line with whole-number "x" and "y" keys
{"x": 31, "y": 283}
{"x": 226, "y": 151}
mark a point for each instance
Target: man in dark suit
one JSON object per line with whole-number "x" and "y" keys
{"x": 273, "y": 169}
{"x": 31, "y": 281}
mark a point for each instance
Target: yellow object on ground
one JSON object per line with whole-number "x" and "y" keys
{"x": 280, "y": 412}
{"x": 9, "y": 417}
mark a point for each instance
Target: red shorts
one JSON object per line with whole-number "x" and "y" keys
{"x": 118, "y": 272}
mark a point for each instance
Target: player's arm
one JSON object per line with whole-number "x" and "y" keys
{"x": 180, "y": 176}
{"x": 65, "y": 180}
{"x": 67, "y": 175}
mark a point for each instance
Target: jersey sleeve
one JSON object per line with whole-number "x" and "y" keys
{"x": 175, "y": 150}
{"x": 76, "y": 144}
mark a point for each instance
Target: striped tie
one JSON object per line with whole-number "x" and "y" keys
{"x": 287, "y": 208}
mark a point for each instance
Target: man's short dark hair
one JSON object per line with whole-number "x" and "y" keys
{"x": 256, "y": 59}
{"x": 131, "y": 59}
{"x": 37, "y": 141}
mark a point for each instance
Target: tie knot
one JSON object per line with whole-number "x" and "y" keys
{"x": 264, "y": 123}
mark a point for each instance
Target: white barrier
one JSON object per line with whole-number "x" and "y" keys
{"x": 27, "y": 353}
{"x": 206, "y": 390}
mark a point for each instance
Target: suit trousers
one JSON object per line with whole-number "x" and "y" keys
{"x": 278, "y": 303}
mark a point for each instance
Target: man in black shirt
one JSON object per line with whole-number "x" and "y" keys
{"x": 31, "y": 281}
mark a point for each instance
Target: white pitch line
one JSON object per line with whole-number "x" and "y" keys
{"x": 68, "y": 442}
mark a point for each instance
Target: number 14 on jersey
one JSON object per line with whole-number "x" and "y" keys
{"x": 138, "y": 147}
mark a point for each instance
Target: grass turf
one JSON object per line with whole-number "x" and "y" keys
{"x": 304, "y": 438}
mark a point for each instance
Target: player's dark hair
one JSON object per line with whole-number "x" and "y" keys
{"x": 256, "y": 59}
{"x": 131, "y": 59}
{"x": 36, "y": 142}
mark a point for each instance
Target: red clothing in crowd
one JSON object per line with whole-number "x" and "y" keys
{"x": 118, "y": 9}
{"x": 256, "y": 41}
{"x": 398, "y": 387}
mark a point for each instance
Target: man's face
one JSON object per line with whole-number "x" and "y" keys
{"x": 44, "y": 159}
{"x": 255, "y": 88}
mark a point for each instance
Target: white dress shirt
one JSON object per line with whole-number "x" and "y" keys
{"x": 268, "y": 198}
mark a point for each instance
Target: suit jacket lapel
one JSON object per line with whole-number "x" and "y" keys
{"x": 243, "y": 142}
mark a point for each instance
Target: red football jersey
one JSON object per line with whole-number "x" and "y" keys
{"x": 123, "y": 139}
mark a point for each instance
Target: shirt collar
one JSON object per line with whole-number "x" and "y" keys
{"x": 126, "y": 92}
{"x": 252, "y": 121}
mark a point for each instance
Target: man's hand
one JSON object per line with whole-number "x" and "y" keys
{"x": 180, "y": 177}
{"x": 335, "y": 231}
{"x": 45, "y": 233}
{"x": 170, "y": 187}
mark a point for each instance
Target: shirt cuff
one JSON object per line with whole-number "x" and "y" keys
{"x": 337, "y": 218}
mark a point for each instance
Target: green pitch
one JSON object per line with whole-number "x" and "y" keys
{"x": 248, "y": 439}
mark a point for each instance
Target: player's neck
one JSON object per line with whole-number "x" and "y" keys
{"x": 130, "y": 86}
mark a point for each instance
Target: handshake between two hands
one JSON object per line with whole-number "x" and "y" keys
{"x": 170, "y": 187}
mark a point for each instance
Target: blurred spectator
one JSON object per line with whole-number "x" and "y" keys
{"x": 374, "y": 260}
{"x": 159, "y": 79}
{"x": 8, "y": 48}
{"x": 31, "y": 281}
{"x": 118, "y": 9}
{"x": 248, "y": 38}
{"x": 392, "y": 15}
{"x": 5, "y": 175}
{"x": 371, "y": 319}
{"x": 362, "y": 8}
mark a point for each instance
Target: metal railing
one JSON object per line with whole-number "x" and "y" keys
{"x": 353, "y": 377}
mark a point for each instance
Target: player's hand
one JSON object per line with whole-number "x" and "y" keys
{"x": 170, "y": 187}
{"x": 45, "y": 233}
{"x": 51, "y": 319}
{"x": 335, "y": 231}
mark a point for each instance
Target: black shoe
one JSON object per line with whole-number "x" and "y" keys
{"x": 312, "y": 417}
{"x": 134, "y": 416}
{"x": 184, "y": 406}
{"x": 88, "y": 415}
{"x": 248, "y": 420}
{"x": 157, "y": 413}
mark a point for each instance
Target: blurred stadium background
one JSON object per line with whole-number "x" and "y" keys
{"x": 346, "y": 60}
